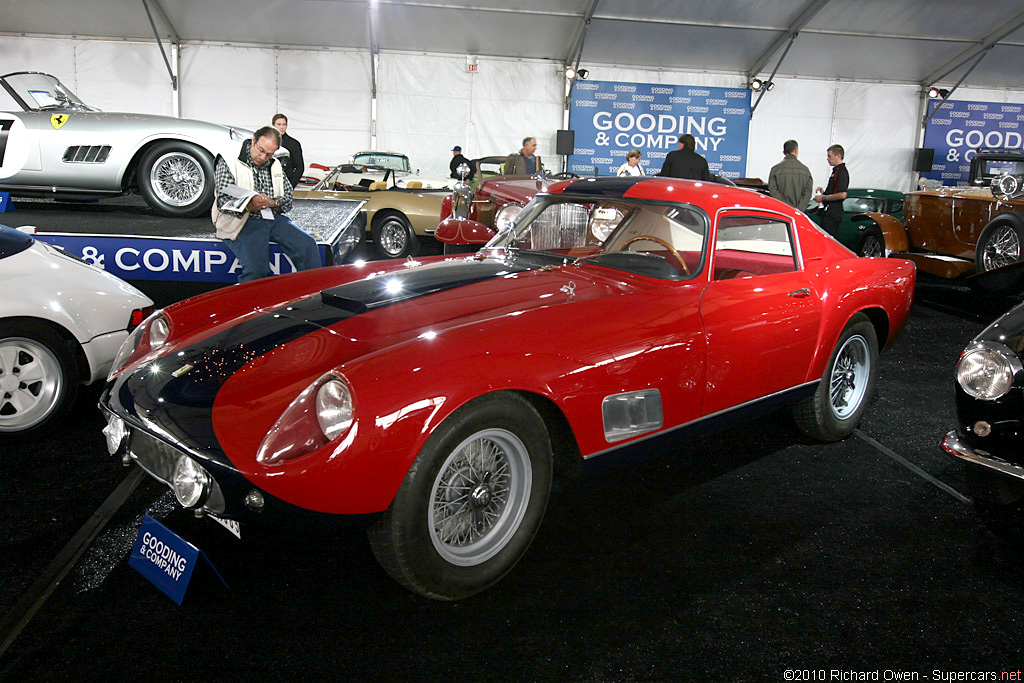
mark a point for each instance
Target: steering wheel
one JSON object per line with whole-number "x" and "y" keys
{"x": 658, "y": 240}
{"x": 564, "y": 176}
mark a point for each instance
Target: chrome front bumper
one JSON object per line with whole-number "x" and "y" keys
{"x": 953, "y": 445}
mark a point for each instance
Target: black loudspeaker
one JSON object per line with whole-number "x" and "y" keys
{"x": 565, "y": 143}
{"x": 923, "y": 158}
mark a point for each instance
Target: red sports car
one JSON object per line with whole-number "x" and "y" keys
{"x": 440, "y": 394}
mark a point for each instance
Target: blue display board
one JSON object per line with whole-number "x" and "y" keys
{"x": 961, "y": 127}
{"x": 166, "y": 559}
{"x": 610, "y": 118}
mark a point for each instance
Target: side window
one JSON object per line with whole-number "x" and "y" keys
{"x": 751, "y": 246}
{"x": 896, "y": 206}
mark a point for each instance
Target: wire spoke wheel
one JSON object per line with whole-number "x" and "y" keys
{"x": 849, "y": 377}
{"x": 394, "y": 238}
{"x": 479, "y": 497}
{"x": 177, "y": 179}
{"x": 1002, "y": 248}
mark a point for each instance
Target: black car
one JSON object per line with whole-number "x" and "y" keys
{"x": 990, "y": 410}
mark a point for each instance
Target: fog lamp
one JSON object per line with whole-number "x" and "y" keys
{"x": 982, "y": 428}
{"x": 191, "y": 482}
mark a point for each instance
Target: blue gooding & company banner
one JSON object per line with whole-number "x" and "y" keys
{"x": 609, "y": 119}
{"x": 961, "y": 127}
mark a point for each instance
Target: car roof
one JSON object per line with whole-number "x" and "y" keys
{"x": 708, "y": 195}
{"x": 883, "y": 194}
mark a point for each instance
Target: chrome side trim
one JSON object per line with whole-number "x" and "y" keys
{"x": 693, "y": 423}
{"x": 954, "y": 446}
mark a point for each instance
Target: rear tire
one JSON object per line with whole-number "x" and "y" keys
{"x": 471, "y": 502}
{"x": 393, "y": 236}
{"x": 847, "y": 386}
{"x": 38, "y": 377}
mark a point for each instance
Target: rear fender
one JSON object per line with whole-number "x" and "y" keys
{"x": 893, "y": 232}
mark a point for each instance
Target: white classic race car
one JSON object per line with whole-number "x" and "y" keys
{"x": 62, "y": 322}
{"x": 54, "y": 145}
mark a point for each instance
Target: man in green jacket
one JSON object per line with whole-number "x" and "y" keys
{"x": 789, "y": 180}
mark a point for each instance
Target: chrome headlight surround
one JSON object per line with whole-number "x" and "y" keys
{"x": 987, "y": 370}
{"x": 1008, "y": 185}
{"x": 506, "y": 216}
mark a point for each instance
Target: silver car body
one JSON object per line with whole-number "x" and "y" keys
{"x": 76, "y": 150}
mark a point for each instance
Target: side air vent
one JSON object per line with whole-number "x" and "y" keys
{"x": 87, "y": 154}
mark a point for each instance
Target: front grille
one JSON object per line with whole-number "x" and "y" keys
{"x": 561, "y": 226}
{"x": 87, "y": 154}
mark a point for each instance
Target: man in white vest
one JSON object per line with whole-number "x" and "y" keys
{"x": 248, "y": 234}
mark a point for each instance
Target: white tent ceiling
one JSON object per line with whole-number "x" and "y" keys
{"x": 896, "y": 41}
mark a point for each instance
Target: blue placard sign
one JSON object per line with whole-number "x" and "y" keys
{"x": 6, "y": 205}
{"x": 610, "y": 118}
{"x": 166, "y": 559}
{"x": 960, "y": 127}
{"x": 132, "y": 257}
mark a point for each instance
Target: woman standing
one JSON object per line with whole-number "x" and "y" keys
{"x": 632, "y": 165}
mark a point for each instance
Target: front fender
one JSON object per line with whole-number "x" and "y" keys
{"x": 893, "y": 232}
{"x": 463, "y": 231}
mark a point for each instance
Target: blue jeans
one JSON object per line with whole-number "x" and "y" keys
{"x": 252, "y": 246}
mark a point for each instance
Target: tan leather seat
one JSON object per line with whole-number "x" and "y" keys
{"x": 414, "y": 185}
{"x": 379, "y": 185}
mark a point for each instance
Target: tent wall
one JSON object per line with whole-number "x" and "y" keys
{"x": 428, "y": 103}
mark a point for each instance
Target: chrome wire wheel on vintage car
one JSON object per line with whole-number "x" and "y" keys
{"x": 471, "y": 502}
{"x": 871, "y": 244}
{"x": 38, "y": 378}
{"x": 849, "y": 377}
{"x": 480, "y": 496}
{"x": 846, "y": 388}
{"x": 177, "y": 179}
{"x": 999, "y": 245}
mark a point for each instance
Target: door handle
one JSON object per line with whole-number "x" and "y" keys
{"x": 800, "y": 293}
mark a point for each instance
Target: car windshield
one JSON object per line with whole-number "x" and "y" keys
{"x": 42, "y": 91}
{"x": 862, "y": 205}
{"x": 649, "y": 238}
{"x": 396, "y": 162}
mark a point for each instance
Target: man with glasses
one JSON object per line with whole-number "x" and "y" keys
{"x": 248, "y": 233}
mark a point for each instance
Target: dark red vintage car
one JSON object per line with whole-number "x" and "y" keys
{"x": 440, "y": 394}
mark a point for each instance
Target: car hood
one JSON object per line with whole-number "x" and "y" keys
{"x": 285, "y": 347}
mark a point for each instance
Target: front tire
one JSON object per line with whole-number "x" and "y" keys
{"x": 471, "y": 502}
{"x": 1000, "y": 243}
{"x": 38, "y": 377}
{"x": 847, "y": 386}
{"x": 394, "y": 236}
{"x": 176, "y": 179}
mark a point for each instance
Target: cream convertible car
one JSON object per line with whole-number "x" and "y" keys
{"x": 62, "y": 322}
{"x": 55, "y": 145}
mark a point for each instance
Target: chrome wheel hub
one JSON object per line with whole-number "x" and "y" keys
{"x": 393, "y": 238}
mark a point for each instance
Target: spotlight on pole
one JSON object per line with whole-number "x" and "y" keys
{"x": 756, "y": 84}
{"x": 570, "y": 73}
{"x": 583, "y": 73}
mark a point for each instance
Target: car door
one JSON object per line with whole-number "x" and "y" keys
{"x": 761, "y": 314}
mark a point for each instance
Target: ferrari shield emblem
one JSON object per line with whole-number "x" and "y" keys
{"x": 58, "y": 120}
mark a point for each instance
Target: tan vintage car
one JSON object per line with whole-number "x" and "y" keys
{"x": 953, "y": 232}
{"x": 396, "y": 218}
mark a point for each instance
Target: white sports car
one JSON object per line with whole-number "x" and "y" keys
{"x": 62, "y": 322}
{"x": 53, "y": 144}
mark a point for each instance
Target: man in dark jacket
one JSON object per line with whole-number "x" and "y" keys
{"x": 789, "y": 180}
{"x": 525, "y": 161}
{"x": 685, "y": 162}
{"x": 458, "y": 160}
{"x": 294, "y": 165}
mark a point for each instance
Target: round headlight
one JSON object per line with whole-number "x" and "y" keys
{"x": 1006, "y": 184}
{"x": 191, "y": 482}
{"x": 333, "y": 408}
{"x": 158, "y": 332}
{"x": 985, "y": 373}
{"x": 506, "y": 214}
